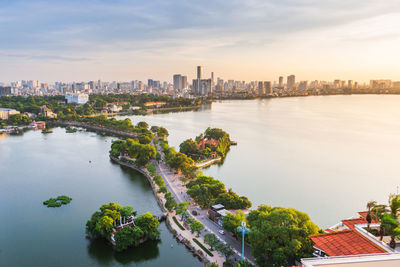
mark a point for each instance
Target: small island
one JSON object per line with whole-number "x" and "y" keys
{"x": 70, "y": 130}
{"x": 120, "y": 226}
{"x": 57, "y": 202}
{"x": 47, "y": 131}
{"x": 207, "y": 148}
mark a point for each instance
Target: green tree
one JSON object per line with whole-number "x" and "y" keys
{"x": 196, "y": 227}
{"x": 143, "y": 139}
{"x": 392, "y": 227}
{"x": 104, "y": 226}
{"x": 149, "y": 225}
{"x": 225, "y": 249}
{"x": 231, "y": 221}
{"x": 279, "y": 236}
{"x": 205, "y": 190}
{"x": 231, "y": 200}
{"x": 370, "y": 206}
{"x": 188, "y": 147}
{"x": 170, "y": 203}
{"x": 211, "y": 240}
{"x": 181, "y": 208}
{"x": 143, "y": 124}
{"x": 394, "y": 204}
{"x": 127, "y": 211}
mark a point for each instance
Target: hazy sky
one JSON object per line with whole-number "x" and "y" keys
{"x": 237, "y": 39}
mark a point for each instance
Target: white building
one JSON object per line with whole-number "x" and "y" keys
{"x": 5, "y": 113}
{"x": 77, "y": 98}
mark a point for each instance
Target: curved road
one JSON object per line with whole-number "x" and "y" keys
{"x": 178, "y": 189}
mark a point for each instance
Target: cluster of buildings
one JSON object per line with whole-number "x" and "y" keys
{"x": 203, "y": 86}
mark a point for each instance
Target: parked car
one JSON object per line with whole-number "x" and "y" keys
{"x": 194, "y": 213}
{"x": 222, "y": 232}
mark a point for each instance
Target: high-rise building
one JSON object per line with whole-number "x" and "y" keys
{"x": 212, "y": 80}
{"x": 261, "y": 89}
{"x": 199, "y": 72}
{"x": 381, "y": 84}
{"x": 177, "y": 82}
{"x": 5, "y": 90}
{"x": 184, "y": 83}
{"x": 280, "y": 82}
{"x": 303, "y": 85}
{"x": 268, "y": 88}
{"x": 291, "y": 82}
{"x": 350, "y": 84}
{"x": 205, "y": 87}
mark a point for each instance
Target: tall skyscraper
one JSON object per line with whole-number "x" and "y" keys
{"x": 350, "y": 84}
{"x": 268, "y": 88}
{"x": 291, "y": 82}
{"x": 197, "y": 83}
{"x": 212, "y": 80}
{"x": 261, "y": 89}
{"x": 280, "y": 82}
{"x": 177, "y": 82}
{"x": 184, "y": 83}
{"x": 199, "y": 72}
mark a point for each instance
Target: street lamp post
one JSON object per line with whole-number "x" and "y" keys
{"x": 244, "y": 230}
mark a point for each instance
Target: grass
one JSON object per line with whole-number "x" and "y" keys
{"x": 57, "y": 202}
{"x": 203, "y": 247}
{"x": 177, "y": 223}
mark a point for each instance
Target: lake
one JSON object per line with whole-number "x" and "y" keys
{"x": 35, "y": 167}
{"x": 326, "y": 156}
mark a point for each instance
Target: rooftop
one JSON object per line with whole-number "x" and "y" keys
{"x": 346, "y": 242}
{"x": 387, "y": 260}
{"x": 217, "y": 206}
{"x": 351, "y": 222}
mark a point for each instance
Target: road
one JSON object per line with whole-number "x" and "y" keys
{"x": 178, "y": 189}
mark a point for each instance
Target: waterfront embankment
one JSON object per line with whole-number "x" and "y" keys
{"x": 184, "y": 236}
{"x": 98, "y": 128}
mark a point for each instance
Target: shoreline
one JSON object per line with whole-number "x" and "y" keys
{"x": 175, "y": 232}
{"x": 94, "y": 128}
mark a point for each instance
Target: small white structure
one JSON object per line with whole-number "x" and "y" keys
{"x": 78, "y": 98}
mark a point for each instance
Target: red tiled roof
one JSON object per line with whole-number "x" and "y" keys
{"x": 351, "y": 222}
{"x": 347, "y": 242}
{"x": 327, "y": 230}
{"x": 363, "y": 214}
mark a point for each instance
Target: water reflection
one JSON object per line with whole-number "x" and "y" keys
{"x": 104, "y": 254}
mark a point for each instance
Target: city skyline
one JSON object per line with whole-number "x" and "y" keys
{"x": 252, "y": 40}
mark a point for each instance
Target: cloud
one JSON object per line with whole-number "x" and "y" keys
{"x": 122, "y": 30}
{"x": 44, "y": 57}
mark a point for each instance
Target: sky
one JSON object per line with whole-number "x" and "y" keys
{"x": 120, "y": 40}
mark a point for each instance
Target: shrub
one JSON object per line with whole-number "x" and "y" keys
{"x": 152, "y": 169}
{"x": 177, "y": 223}
{"x": 203, "y": 247}
{"x": 57, "y": 202}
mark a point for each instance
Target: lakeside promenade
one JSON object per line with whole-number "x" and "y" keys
{"x": 178, "y": 189}
{"x": 184, "y": 236}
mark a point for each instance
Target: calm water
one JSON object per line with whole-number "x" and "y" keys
{"x": 35, "y": 167}
{"x": 326, "y": 156}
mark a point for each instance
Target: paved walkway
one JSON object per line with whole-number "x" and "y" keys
{"x": 179, "y": 190}
{"x": 217, "y": 258}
